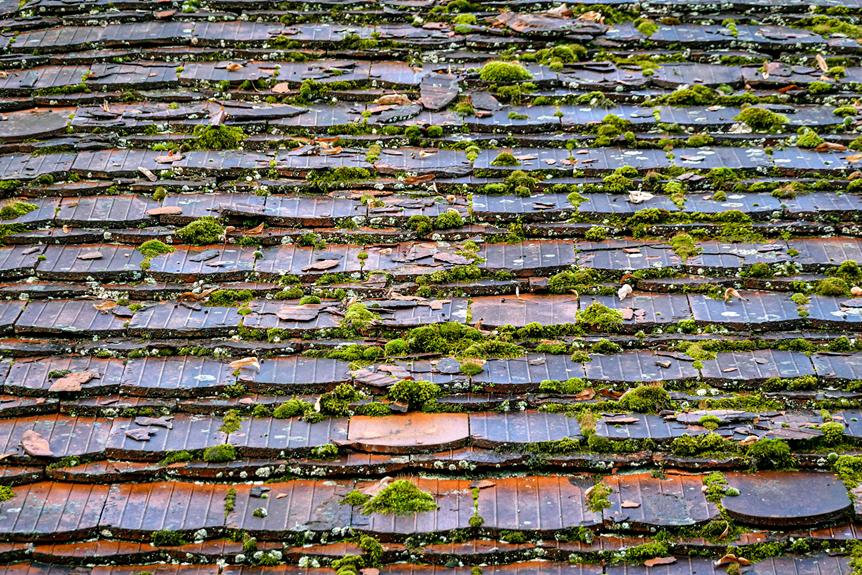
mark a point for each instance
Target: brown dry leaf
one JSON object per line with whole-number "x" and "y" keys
{"x": 169, "y": 158}
{"x": 256, "y": 230}
{"x": 660, "y": 561}
{"x": 412, "y": 180}
{"x": 73, "y": 381}
{"x": 853, "y": 158}
{"x": 627, "y": 504}
{"x": 830, "y": 147}
{"x": 105, "y": 305}
{"x": 821, "y": 63}
{"x": 726, "y": 560}
{"x": 749, "y": 440}
{"x": 585, "y": 395}
{"x": 233, "y": 67}
{"x": 165, "y": 211}
{"x": 245, "y": 362}
{"x": 732, "y": 293}
{"x": 35, "y": 445}
{"x": 770, "y": 67}
{"x": 592, "y": 16}
{"x": 147, "y": 174}
{"x": 281, "y": 88}
{"x": 334, "y": 151}
{"x": 393, "y": 99}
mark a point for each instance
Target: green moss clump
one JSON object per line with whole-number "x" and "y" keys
{"x": 153, "y": 248}
{"x": 707, "y": 443}
{"x": 231, "y": 422}
{"x": 292, "y": 408}
{"x": 644, "y": 551}
{"x": 833, "y": 433}
{"x": 599, "y": 317}
{"x": 400, "y": 497}
{"x": 230, "y": 297}
{"x": 358, "y": 317}
{"x": 498, "y": 72}
{"x": 597, "y": 234}
{"x": 167, "y": 538}
{"x": 808, "y": 138}
{"x": 606, "y": 346}
{"x": 572, "y": 281}
{"x": 832, "y": 287}
{"x": 647, "y": 27}
{"x": 220, "y": 453}
{"x": 619, "y": 182}
{"x": 219, "y": 137}
{"x": 448, "y": 220}
{"x": 818, "y": 87}
{"x": 761, "y": 119}
{"x": 570, "y": 386}
{"x": 16, "y": 209}
{"x": 337, "y": 402}
{"x": 176, "y": 457}
{"x": 505, "y": 159}
{"x": 598, "y": 497}
{"x": 849, "y": 470}
{"x": 645, "y": 399}
{"x": 770, "y": 454}
{"x": 327, "y": 451}
{"x": 6, "y": 493}
{"x": 201, "y": 232}
{"x": 684, "y": 246}
{"x": 414, "y": 393}
{"x": 355, "y": 498}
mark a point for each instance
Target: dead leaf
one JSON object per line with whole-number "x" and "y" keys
{"x": 105, "y": 305}
{"x": 393, "y": 99}
{"x": 147, "y": 174}
{"x": 660, "y": 561}
{"x": 770, "y": 67}
{"x": 169, "y": 158}
{"x": 321, "y": 265}
{"x": 245, "y": 362}
{"x": 853, "y": 158}
{"x": 830, "y": 147}
{"x": 424, "y": 178}
{"x": 73, "y": 381}
{"x": 35, "y": 445}
{"x": 233, "y": 67}
{"x": 331, "y": 151}
{"x": 165, "y": 211}
{"x": 256, "y": 230}
{"x": 821, "y": 63}
{"x": 732, "y": 293}
{"x": 281, "y": 88}
{"x": 627, "y": 504}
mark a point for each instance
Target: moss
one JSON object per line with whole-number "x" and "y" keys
{"x": 684, "y": 246}
{"x": 167, "y": 538}
{"x": 644, "y": 551}
{"x": 572, "y": 281}
{"x": 808, "y": 138}
{"x": 220, "y": 453}
{"x": 498, "y": 72}
{"x": 647, "y": 27}
{"x": 599, "y": 317}
{"x": 716, "y": 487}
{"x": 845, "y": 111}
{"x": 710, "y": 422}
{"x": 231, "y": 422}
{"x": 9, "y": 186}
{"x": 219, "y": 137}
{"x": 598, "y": 497}
{"x": 849, "y": 470}
{"x": 229, "y": 501}
{"x": 230, "y": 297}
{"x": 6, "y": 493}
{"x": 606, "y": 347}
{"x": 832, "y": 287}
{"x": 505, "y": 159}
{"x": 413, "y": 392}
{"x": 153, "y": 248}
{"x": 770, "y": 454}
{"x": 358, "y": 317}
{"x": 325, "y": 180}
{"x": 597, "y": 233}
{"x": 327, "y": 451}
{"x": 355, "y": 498}
{"x": 818, "y": 87}
{"x": 707, "y": 443}
{"x": 448, "y": 220}
{"x": 570, "y": 386}
{"x": 761, "y": 119}
{"x": 176, "y": 457}
{"x": 757, "y": 270}
{"x": 645, "y": 399}
{"x": 337, "y": 402}
{"x": 401, "y": 497}
{"x": 15, "y": 210}
{"x": 471, "y": 367}
{"x": 201, "y": 232}
{"x": 372, "y": 549}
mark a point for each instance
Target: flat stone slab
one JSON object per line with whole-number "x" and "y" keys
{"x": 787, "y": 499}
{"x": 408, "y": 433}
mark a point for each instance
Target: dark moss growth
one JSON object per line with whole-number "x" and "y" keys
{"x": 337, "y": 402}
{"x": 220, "y": 453}
{"x": 598, "y": 497}
{"x": 328, "y": 451}
{"x": 6, "y": 493}
{"x": 414, "y": 393}
{"x": 599, "y": 317}
{"x": 153, "y": 248}
{"x": 498, "y": 72}
{"x": 219, "y": 137}
{"x": 707, "y": 443}
{"x": 569, "y": 281}
{"x": 202, "y": 231}
{"x": 770, "y": 454}
{"x": 230, "y": 297}
{"x": 401, "y": 497}
{"x": 761, "y": 119}
{"x": 606, "y": 347}
{"x": 166, "y": 538}
{"x": 15, "y": 210}
{"x": 570, "y": 386}
{"x": 645, "y": 399}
